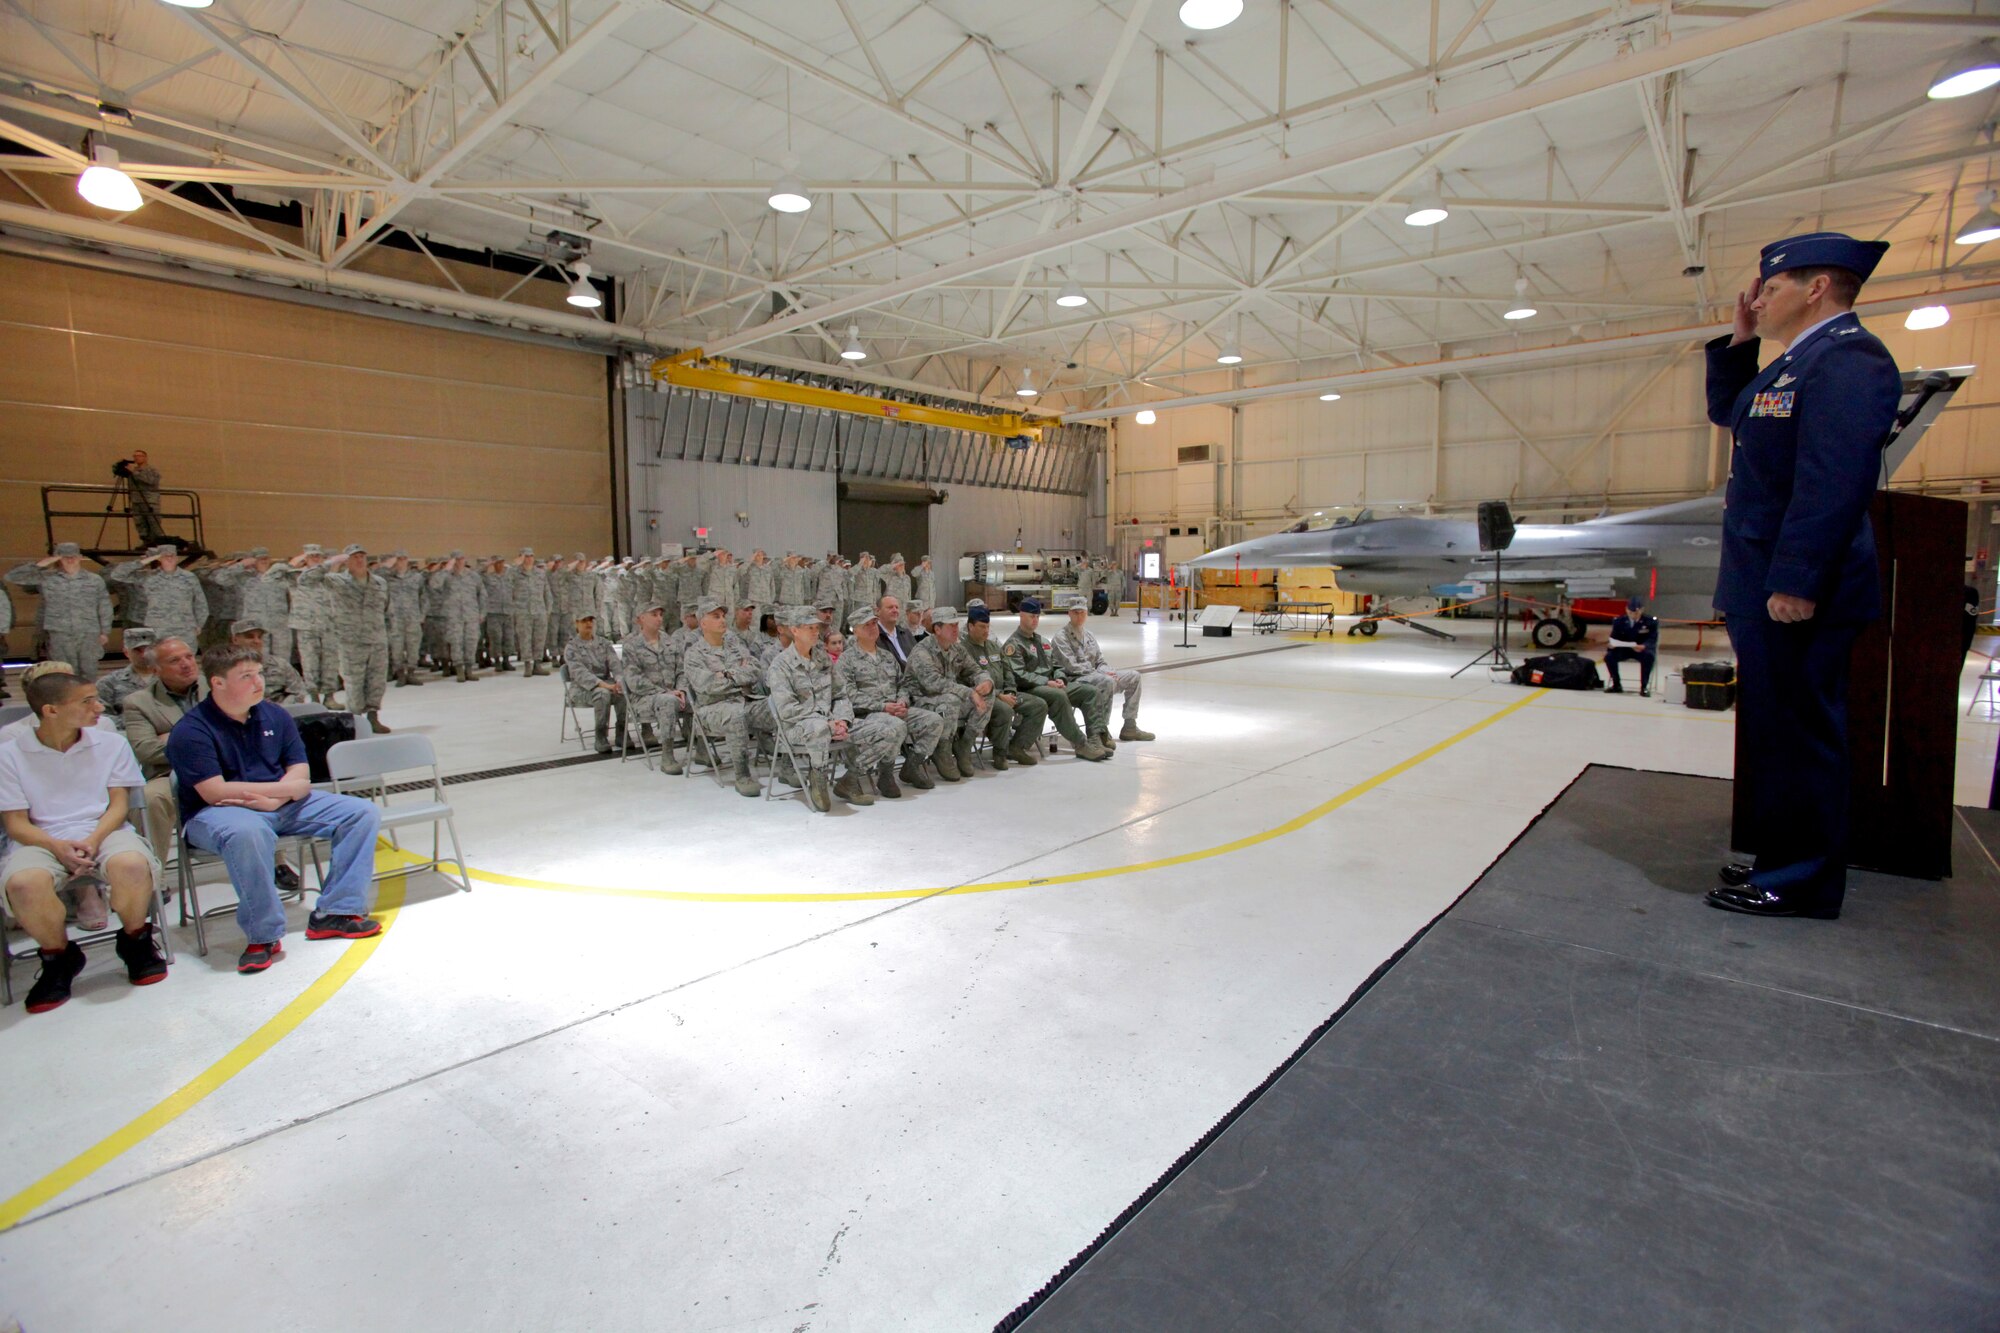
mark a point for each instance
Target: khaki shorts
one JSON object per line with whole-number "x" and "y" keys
{"x": 121, "y": 839}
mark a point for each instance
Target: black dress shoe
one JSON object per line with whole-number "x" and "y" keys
{"x": 1734, "y": 873}
{"x": 1753, "y": 901}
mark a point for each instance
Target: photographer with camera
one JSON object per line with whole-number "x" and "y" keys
{"x": 145, "y": 482}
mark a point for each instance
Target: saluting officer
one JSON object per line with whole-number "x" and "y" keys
{"x": 1798, "y": 577}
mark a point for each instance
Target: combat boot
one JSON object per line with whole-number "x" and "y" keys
{"x": 851, "y": 788}
{"x": 998, "y": 758}
{"x": 961, "y": 754}
{"x": 885, "y": 781}
{"x": 647, "y": 735}
{"x": 1130, "y": 731}
{"x": 819, "y": 793}
{"x": 464, "y": 675}
{"x": 1091, "y": 750}
{"x": 946, "y": 762}
{"x": 1023, "y": 753}
{"x": 527, "y": 669}
{"x": 541, "y": 668}
{"x": 913, "y": 772}
{"x": 603, "y": 740}
{"x": 375, "y": 724}
{"x": 668, "y": 764}
{"x": 746, "y": 785}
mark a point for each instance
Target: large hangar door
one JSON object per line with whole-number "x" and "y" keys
{"x": 886, "y": 519}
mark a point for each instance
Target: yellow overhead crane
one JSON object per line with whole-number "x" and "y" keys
{"x": 713, "y": 375}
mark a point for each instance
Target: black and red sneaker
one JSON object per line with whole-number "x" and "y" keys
{"x": 59, "y": 969}
{"x": 257, "y": 957}
{"x": 143, "y": 964}
{"x": 337, "y": 927}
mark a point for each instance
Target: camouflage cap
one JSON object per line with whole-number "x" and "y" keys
{"x": 945, "y": 615}
{"x": 311, "y": 548}
{"x": 582, "y": 616}
{"x": 654, "y": 605}
{"x": 353, "y": 548}
{"x": 527, "y": 550}
{"x": 979, "y": 602}
{"x": 247, "y": 625}
{"x": 139, "y": 636}
{"x": 827, "y": 604}
{"x": 799, "y": 615}
{"x": 861, "y": 616}
{"x": 67, "y": 550}
{"x": 913, "y": 607}
{"x": 399, "y": 555}
{"x": 579, "y": 556}
{"x": 164, "y": 548}
{"x": 709, "y": 605}
{"x": 456, "y": 555}
{"x": 260, "y": 553}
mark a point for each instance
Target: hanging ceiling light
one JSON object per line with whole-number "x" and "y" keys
{"x": 1230, "y": 354}
{"x": 1927, "y": 317}
{"x": 1206, "y": 14}
{"x": 1970, "y": 72}
{"x": 581, "y": 293}
{"x": 103, "y": 182}
{"x": 1145, "y": 416}
{"x": 789, "y": 196}
{"x": 1071, "y": 295}
{"x": 1982, "y": 226}
{"x": 1027, "y": 389}
{"x": 854, "y": 351}
{"x": 1329, "y": 398}
{"x": 1521, "y": 308}
{"x": 1426, "y": 210}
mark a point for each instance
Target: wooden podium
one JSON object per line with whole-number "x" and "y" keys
{"x": 1902, "y": 704}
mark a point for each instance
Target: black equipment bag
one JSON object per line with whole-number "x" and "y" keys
{"x": 1711, "y": 686}
{"x": 1559, "y": 671}
{"x": 321, "y": 732}
{"x": 1100, "y": 602}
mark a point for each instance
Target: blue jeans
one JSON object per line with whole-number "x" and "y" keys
{"x": 247, "y": 841}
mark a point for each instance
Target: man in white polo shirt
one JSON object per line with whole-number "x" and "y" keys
{"x": 64, "y": 792}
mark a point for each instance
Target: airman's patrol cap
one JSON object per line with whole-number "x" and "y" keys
{"x": 527, "y": 550}
{"x": 827, "y": 604}
{"x": 456, "y": 555}
{"x": 653, "y": 606}
{"x": 312, "y": 548}
{"x": 708, "y": 605}
{"x": 354, "y": 549}
{"x": 247, "y": 625}
{"x": 1821, "y": 249}
{"x": 944, "y": 615}
{"x": 141, "y": 637}
{"x": 260, "y": 553}
{"x": 67, "y": 550}
{"x": 582, "y": 616}
{"x": 861, "y": 616}
{"x": 163, "y": 549}
{"x": 801, "y": 615}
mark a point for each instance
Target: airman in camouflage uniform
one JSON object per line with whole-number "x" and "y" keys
{"x": 135, "y": 675}
{"x": 923, "y": 583}
{"x": 814, "y": 715}
{"x": 945, "y": 680}
{"x": 580, "y": 591}
{"x": 75, "y": 613}
{"x": 652, "y": 665}
{"x": 529, "y": 598}
{"x": 722, "y": 680}
{"x": 758, "y": 586}
{"x": 282, "y": 685}
{"x": 406, "y": 617}
{"x": 592, "y": 667}
{"x": 896, "y": 581}
{"x": 310, "y": 624}
{"x": 1035, "y": 669}
{"x": 176, "y": 607}
{"x": 795, "y": 582}
{"x": 358, "y": 610}
{"x": 461, "y": 596}
{"x": 864, "y": 584}
{"x": 877, "y": 687}
{"x": 833, "y": 584}
{"x": 1083, "y": 661}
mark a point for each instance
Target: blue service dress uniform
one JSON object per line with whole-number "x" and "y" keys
{"x": 1807, "y": 460}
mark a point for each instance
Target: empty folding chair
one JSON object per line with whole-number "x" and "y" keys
{"x": 370, "y": 761}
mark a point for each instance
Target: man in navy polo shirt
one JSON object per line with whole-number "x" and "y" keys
{"x": 241, "y": 772}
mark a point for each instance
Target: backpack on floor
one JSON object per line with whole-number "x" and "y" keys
{"x": 1711, "y": 686}
{"x": 1559, "y": 671}
{"x": 321, "y": 732}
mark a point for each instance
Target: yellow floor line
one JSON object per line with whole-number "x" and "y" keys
{"x": 1293, "y": 825}
{"x": 177, "y": 1103}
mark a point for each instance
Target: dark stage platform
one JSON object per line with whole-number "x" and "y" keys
{"x": 1584, "y": 1100}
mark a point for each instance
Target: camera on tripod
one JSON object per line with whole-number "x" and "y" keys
{"x": 122, "y": 468}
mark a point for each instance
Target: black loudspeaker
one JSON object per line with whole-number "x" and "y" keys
{"x": 1496, "y": 525}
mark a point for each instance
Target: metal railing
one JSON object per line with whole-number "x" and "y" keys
{"x": 101, "y": 520}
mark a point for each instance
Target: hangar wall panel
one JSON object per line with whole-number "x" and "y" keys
{"x": 296, "y": 423}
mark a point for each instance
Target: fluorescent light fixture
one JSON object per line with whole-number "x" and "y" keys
{"x": 1329, "y": 398}
{"x": 1927, "y": 317}
{"x": 789, "y": 196}
{"x": 1982, "y": 226}
{"x": 104, "y": 184}
{"x": 1522, "y": 308}
{"x": 1027, "y": 389}
{"x": 1206, "y": 14}
{"x": 1145, "y": 416}
{"x": 1071, "y": 295}
{"x": 1970, "y": 72}
{"x": 1230, "y": 354}
{"x": 581, "y": 293}
{"x": 854, "y": 351}
{"x": 1426, "y": 210}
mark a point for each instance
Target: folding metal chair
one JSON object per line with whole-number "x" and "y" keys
{"x": 374, "y": 759}
{"x": 570, "y": 716}
{"x": 135, "y": 815}
{"x": 634, "y": 729}
{"x": 1987, "y": 692}
{"x": 189, "y": 858}
{"x": 701, "y": 743}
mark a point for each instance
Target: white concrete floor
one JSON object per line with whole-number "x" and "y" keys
{"x": 580, "y": 1103}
